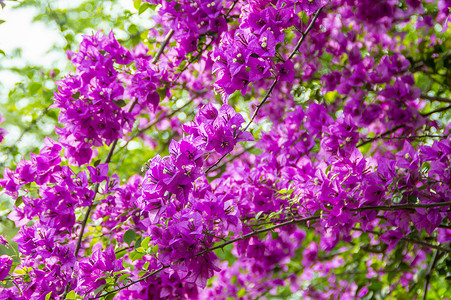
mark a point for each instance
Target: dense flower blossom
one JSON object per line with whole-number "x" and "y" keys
{"x": 345, "y": 147}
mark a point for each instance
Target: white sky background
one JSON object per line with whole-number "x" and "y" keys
{"x": 35, "y": 39}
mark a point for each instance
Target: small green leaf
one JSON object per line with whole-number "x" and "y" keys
{"x": 96, "y": 163}
{"x": 138, "y": 244}
{"x": 2, "y": 52}
{"x": 137, "y": 3}
{"x": 234, "y": 279}
{"x": 145, "y": 243}
{"x": 129, "y": 236}
{"x": 123, "y": 276}
{"x": 71, "y": 295}
{"x": 35, "y": 87}
{"x": 76, "y": 96}
{"x": 110, "y": 296}
{"x": 154, "y": 249}
{"x": 47, "y": 297}
{"x": 258, "y": 215}
{"x": 143, "y": 8}
{"x": 19, "y": 201}
{"x": 241, "y": 293}
{"x": 99, "y": 289}
{"x": 2, "y": 21}
{"x": 120, "y": 103}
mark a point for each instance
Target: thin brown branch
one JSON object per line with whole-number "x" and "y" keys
{"x": 435, "y": 98}
{"x": 161, "y": 118}
{"x": 162, "y": 46}
{"x": 298, "y": 45}
{"x": 108, "y": 159}
{"x": 231, "y": 8}
{"x": 441, "y": 109}
{"x": 246, "y": 236}
{"x": 402, "y": 206}
{"x": 132, "y": 283}
{"x": 429, "y": 274}
{"x": 380, "y": 135}
{"x": 413, "y": 137}
{"x": 271, "y": 88}
{"x": 409, "y": 240}
{"x": 32, "y": 123}
{"x": 229, "y": 160}
{"x": 256, "y": 232}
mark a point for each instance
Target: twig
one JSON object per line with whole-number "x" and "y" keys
{"x": 231, "y": 8}
{"x": 132, "y": 283}
{"x": 427, "y": 245}
{"x": 429, "y": 274}
{"x": 162, "y": 46}
{"x": 291, "y": 222}
{"x": 409, "y": 240}
{"x": 256, "y": 232}
{"x": 32, "y": 123}
{"x": 273, "y": 85}
{"x": 402, "y": 206}
{"x": 108, "y": 159}
{"x": 232, "y": 158}
{"x": 113, "y": 146}
{"x": 380, "y": 135}
{"x": 435, "y": 98}
{"x": 298, "y": 45}
{"x": 413, "y": 137}
{"x": 436, "y": 111}
{"x": 153, "y": 124}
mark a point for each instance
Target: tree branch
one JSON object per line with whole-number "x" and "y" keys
{"x": 441, "y": 109}
{"x": 108, "y": 160}
{"x": 428, "y": 275}
{"x": 402, "y": 206}
{"x": 409, "y": 240}
{"x": 435, "y": 98}
{"x": 271, "y": 88}
{"x": 380, "y": 136}
{"x": 162, "y": 46}
{"x": 246, "y": 236}
{"x": 256, "y": 232}
{"x": 132, "y": 283}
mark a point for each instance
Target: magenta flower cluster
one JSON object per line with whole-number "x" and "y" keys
{"x": 331, "y": 132}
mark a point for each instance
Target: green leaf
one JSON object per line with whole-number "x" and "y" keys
{"x": 143, "y": 8}
{"x": 47, "y": 297}
{"x": 19, "y": 201}
{"x": 123, "y": 276}
{"x": 138, "y": 244}
{"x": 35, "y": 87}
{"x": 2, "y": 21}
{"x": 154, "y": 249}
{"x": 137, "y": 4}
{"x": 71, "y": 295}
{"x": 145, "y": 243}
{"x": 2, "y": 52}
{"x": 110, "y": 296}
{"x": 129, "y": 236}
{"x": 241, "y": 293}
{"x": 258, "y": 215}
{"x": 234, "y": 279}
{"x": 99, "y": 289}
{"x": 76, "y": 96}
{"x": 120, "y": 103}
